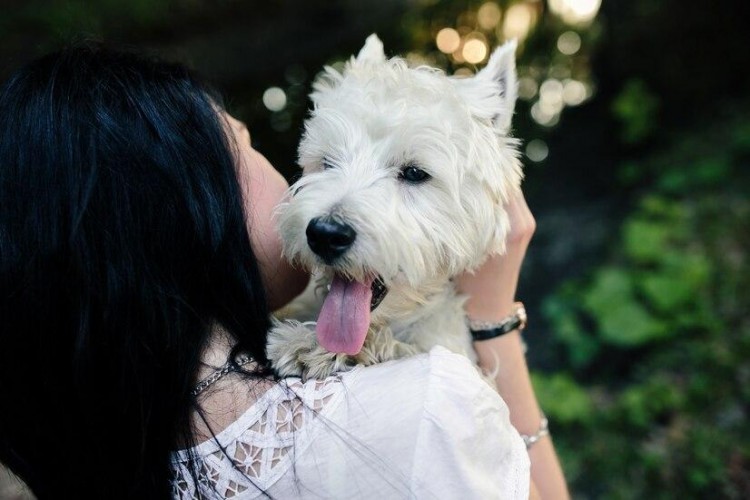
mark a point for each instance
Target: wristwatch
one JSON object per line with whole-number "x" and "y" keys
{"x": 484, "y": 330}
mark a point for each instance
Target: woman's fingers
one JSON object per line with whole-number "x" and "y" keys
{"x": 522, "y": 222}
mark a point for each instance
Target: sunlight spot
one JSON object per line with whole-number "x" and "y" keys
{"x": 569, "y": 43}
{"x": 274, "y": 99}
{"x": 448, "y": 40}
{"x": 537, "y": 150}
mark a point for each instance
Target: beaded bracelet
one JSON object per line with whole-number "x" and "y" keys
{"x": 540, "y": 433}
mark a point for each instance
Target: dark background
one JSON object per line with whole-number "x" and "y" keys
{"x": 637, "y": 279}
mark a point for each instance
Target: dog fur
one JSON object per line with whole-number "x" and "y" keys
{"x": 368, "y": 123}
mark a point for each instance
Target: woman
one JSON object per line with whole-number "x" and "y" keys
{"x": 134, "y": 306}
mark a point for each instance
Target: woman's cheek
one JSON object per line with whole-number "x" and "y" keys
{"x": 266, "y": 189}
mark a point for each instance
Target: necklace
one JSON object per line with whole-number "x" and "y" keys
{"x": 220, "y": 372}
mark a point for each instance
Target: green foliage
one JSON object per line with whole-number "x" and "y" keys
{"x": 568, "y": 402}
{"x": 636, "y": 107}
{"x": 622, "y": 319}
{"x": 658, "y": 336}
{"x": 653, "y": 396}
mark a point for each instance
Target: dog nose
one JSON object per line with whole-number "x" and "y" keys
{"x": 328, "y": 238}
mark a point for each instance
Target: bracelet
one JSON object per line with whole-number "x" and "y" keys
{"x": 540, "y": 433}
{"x": 484, "y": 330}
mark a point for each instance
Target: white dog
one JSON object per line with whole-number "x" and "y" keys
{"x": 405, "y": 175}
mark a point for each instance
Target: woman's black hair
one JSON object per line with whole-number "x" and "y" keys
{"x": 122, "y": 240}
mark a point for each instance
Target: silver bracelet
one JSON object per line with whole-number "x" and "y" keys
{"x": 540, "y": 433}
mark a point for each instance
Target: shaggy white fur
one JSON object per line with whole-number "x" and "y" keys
{"x": 370, "y": 123}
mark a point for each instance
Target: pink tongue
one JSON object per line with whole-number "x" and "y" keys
{"x": 345, "y": 316}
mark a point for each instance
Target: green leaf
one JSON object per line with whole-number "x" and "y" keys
{"x": 645, "y": 241}
{"x": 665, "y": 292}
{"x": 563, "y": 400}
{"x": 636, "y": 107}
{"x": 581, "y": 345}
{"x": 630, "y": 325}
{"x": 644, "y": 403}
{"x": 621, "y": 319}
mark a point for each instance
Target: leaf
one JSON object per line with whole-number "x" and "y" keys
{"x": 644, "y": 403}
{"x": 676, "y": 282}
{"x": 645, "y": 241}
{"x": 581, "y": 345}
{"x": 636, "y": 107}
{"x": 622, "y": 321}
{"x": 563, "y": 400}
{"x": 665, "y": 292}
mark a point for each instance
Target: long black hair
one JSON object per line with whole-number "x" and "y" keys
{"x": 122, "y": 240}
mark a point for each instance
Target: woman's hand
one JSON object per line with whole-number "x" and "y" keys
{"x": 492, "y": 287}
{"x": 492, "y": 291}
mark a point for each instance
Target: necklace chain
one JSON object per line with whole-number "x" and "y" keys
{"x": 220, "y": 372}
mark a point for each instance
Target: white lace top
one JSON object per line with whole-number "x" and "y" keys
{"x": 423, "y": 427}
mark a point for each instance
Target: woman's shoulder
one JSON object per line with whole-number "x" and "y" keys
{"x": 439, "y": 362}
{"x": 454, "y": 427}
{"x": 445, "y": 431}
{"x": 438, "y": 390}
{"x": 439, "y": 373}
{"x": 391, "y": 419}
{"x": 415, "y": 387}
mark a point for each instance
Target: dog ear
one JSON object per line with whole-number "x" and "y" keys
{"x": 327, "y": 80}
{"x": 372, "y": 52}
{"x": 501, "y": 70}
{"x": 330, "y": 78}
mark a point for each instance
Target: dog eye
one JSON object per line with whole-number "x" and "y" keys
{"x": 413, "y": 174}
{"x": 327, "y": 164}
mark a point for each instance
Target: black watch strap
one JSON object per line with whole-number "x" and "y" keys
{"x": 497, "y": 331}
{"x": 481, "y": 330}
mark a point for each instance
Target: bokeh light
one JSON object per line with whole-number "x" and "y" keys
{"x": 537, "y": 150}
{"x": 575, "y": 11}
{"x": 448, "y": 40}
{"x": 518, "y": 21}
{"x": 475, "y": 48}
{"x": 551, "y": 96}
{"x": 574, "y": 92}
{"x": 569, "y": 43}
{"x": 543, "y": 115}
{"x": 560, "y": 70}
{"x": 489, "y": 15}
{"x": 527, "y": 88}
{"x": 274, "y": 99}
{"x": 463, "y": 72}
{"x": 458, "y": 55}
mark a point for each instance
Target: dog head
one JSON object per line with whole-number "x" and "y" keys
{"x": 405, "y": 174}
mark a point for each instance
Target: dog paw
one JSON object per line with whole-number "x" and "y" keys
{"x": 294, "y": 351}
{"x": 380, "y": 345}
{"x": 319, "y": 363}
{"x": 286, "y": 340}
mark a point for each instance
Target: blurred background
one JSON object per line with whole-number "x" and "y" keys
{"x": 635, "y": 122}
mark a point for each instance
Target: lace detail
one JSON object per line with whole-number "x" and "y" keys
{"x": 257, "y": 448}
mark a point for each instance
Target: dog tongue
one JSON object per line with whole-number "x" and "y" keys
{"x": 345, "y": 316}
